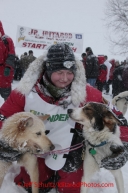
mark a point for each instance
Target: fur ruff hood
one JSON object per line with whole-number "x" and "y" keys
{"x": 78, "y": 87}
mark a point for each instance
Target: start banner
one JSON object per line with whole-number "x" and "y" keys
{"x": 42, "y": 39}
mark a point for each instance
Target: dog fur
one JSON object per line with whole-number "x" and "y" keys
{"x": 25, "y": 132}
{"x": 99, "y": 125}
{"x": 121, "y": 102}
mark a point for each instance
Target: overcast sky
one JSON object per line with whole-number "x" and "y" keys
{"x": 76, "y": 16}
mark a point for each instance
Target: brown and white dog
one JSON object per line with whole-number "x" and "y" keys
{"x": 25, "y": 133}
{"x": 102, "y": 137}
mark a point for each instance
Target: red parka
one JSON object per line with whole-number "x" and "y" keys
{"x": 7, "y": 57}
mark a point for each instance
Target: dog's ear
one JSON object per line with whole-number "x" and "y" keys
{"x": 25, "y": 122}
{"x": 43, "y": 117}
{"x": 110, "y": 120}
{"x": 110, "y": 113}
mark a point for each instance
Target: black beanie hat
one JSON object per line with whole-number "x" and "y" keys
{"x": 88, "y": 49}
{"x": 59, "y": 57}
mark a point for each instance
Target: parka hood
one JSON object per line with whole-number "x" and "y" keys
{"x": 33, "y": 73}
{"x": 1, "y": 30}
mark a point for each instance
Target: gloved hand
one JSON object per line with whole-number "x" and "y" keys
{"x": 10, "y": 60}
{"x": 115, "y": 162}
{"x": 7, "y": 153}
{"x": 4, "y": 39}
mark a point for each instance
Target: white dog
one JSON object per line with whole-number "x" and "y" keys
{"x": 25, "y": 133}
{"x": 121, "y": 101}
{"x": 101, "y": 133}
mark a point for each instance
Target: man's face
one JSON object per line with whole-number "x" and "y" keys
{"x": 62, "y": 78}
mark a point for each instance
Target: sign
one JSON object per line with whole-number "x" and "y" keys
{"x": 42, "y": 39}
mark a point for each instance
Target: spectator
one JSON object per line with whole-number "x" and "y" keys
{"x": 23, "y": 62}
{"x": 101, "y": 80}
{"x": 18, "y": 69}
{"x": 91, "y": 67}
{"x": 83, "y": 55}
{"x": 117, "y": 84}
{"x": 125, "y": 76}
{"x": 30, "y": 58}
{"x": 7, "y": 58}
{"x": 108, "y": 82}
{"x": 56, "y": 83}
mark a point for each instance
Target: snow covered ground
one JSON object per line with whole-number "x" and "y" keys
{"x": 103, "y": 176}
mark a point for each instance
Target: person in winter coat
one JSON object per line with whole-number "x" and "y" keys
{"x": 125, "y": 76}
{"x": 102, "y": 76}
{"x": 110, "y": 75}
{"x": 91, "y": 67}
{"x": 83, "y": 55}
{"x": 26, "y": 60}
{"x": 54, "y": 83}
{"x": 7, "y": 59}
{"x": 117, "y": 83}
{"x": 108, "y": 65}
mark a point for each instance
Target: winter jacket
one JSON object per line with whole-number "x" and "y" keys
{"x": 111, "y": 69}
{"x": 102, "y": 73}
{"x": 125, "y": 77}
{"x": 108, "y": 65}
{"x": 7, "y": 58}
{"x": 117, "y": 83}
{"x": 92, "y": 66}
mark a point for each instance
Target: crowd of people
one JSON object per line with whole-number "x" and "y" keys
{"x": 22, "y": 64}
{"x": 52, "y": 84}
{"x": 101, "y": 72}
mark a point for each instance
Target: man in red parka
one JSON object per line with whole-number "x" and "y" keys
{"x": 7, "y": 57}
{"x": 54, "y": 83}
{"x": 102, "y": 76}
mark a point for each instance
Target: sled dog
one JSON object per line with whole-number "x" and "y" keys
{"x": 102, "y": 138}
{"x": 25, "y": 133}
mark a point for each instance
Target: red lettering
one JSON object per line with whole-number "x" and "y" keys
{"x": 24, "y": 44}
{"x": 29, "y": 44}
{"x": 70, "y": 35}
{"x": 33, "y": 31}
{"x": 74, "y": 49}
{"x": 38, "y": 46}
{"x": 33, "y": 46}
{"x": 57, "y": 35}
{"x": 61, "y": 35}
{"x": 66, "y": 35}
{"x": 44, "y": 45}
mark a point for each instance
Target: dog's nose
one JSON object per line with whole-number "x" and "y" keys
{"x": 70, "y": 111}
{"x": 52, "y": 147}
{"x": 47, "y": 132}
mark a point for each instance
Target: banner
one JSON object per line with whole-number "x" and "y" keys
{"x": 42, "y": 39}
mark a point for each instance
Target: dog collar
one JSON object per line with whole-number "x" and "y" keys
{"x": 92, "y": 151}
{"x": 101, "y": 144}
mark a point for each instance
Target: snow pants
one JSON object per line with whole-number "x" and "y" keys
{"x": 63, "y": 181}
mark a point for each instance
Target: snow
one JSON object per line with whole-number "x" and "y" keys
{"x": 104, "y": 176}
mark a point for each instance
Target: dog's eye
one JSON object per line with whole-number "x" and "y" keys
{"x": 38, "y": 133}
{"x": 87, "y": 109}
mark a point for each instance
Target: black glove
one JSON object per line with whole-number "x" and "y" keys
{"x": 10, "y": 60}
{"x": 4, "y": 39}
{"x": 116, "y": 161}
{"x": 7, "y": 153}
